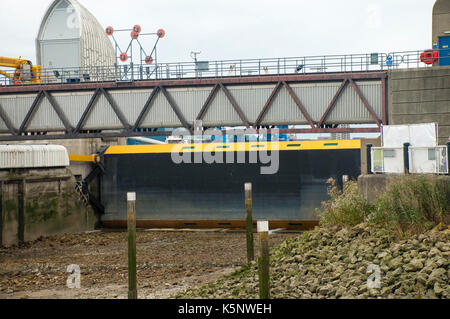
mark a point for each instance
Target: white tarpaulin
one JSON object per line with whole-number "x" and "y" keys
{"x": 418, "y": 135}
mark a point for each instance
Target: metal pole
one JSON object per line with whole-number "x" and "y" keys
{"x": 249, "y": 221}
{"x": 263, "y": 260}
{"x": 448, "y": 158}
{"x": 369, "y": 159}
{"x": 131, "y": 213}
{"x": 406, "y": 157}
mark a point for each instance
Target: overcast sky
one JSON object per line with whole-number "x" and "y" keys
{"x": 239, "y": 29}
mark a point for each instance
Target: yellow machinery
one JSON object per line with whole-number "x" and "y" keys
{"x": 25, "y": 72}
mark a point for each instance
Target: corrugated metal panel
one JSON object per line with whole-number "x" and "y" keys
{"x": 190, "y": 101}
{"x": 45, "y": 118}
{"x": 315, "y": 97}
{"x": 17, "y": 106}
{"x": 130, "y": 102}
{"x": 283, "y": 111}
{"x": 221, "y": 112}
{"x": 73, "y": 104}
{"x": 349, "y": 107}
{"x": 161, "y": 114}
{"x": 251, "y": 99}
{"x": 103, "y": 113}
{"x": 33, "y": 156}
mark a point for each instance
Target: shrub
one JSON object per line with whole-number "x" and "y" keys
{"x": 409, "y": 204}
{"x": 413, "y": 203}
{"x": 345, "y": 208}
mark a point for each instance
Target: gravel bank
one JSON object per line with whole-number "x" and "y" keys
{"x": 334, "y": 262}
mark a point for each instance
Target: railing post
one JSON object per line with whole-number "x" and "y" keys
{"x": 369, "y": 159}
{"x": 263, "y": 260}
{"x": 406, "y": 157}
{"x": 131, "y": 214}
{"x": 249, "y": 221}
{"x": 448, "y": 158}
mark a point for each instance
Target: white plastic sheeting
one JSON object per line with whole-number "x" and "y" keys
{"x": 33, "y": 156}
{"x": 418, "y": 135}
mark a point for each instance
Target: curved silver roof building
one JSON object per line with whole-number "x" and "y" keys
{"x": 71, "y": 37}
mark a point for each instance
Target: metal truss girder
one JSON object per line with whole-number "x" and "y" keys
{"x": 127, "y": 129}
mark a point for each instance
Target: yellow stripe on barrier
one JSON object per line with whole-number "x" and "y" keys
{"x": 233, "y": 147}
{"x": 82, "y": 158}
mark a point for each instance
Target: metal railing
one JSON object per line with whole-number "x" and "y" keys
{"x": 235, "y": 68}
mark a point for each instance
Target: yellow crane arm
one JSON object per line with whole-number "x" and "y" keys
{"x": 13, "y": 63}
{"x": 25, "y": 72}
{"x": 5, "y": 74}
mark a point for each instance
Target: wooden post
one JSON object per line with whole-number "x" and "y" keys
{"x": 21, "y": 211}
{"x": 263, "y": 260}
{"x": 249, "y": 221}
{"x": 131, "y": 212}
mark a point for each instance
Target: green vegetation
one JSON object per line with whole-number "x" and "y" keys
{"x": 410, "y": 204}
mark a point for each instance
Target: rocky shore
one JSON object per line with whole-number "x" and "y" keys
{"x": 336, "y": 262}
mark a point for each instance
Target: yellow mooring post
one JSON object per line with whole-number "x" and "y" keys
{"x": 131, "y": 212}
{"x": 263, "y": 260}
{"x": 249, "y": 221}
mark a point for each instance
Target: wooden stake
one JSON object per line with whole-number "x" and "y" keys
{"x": 249, "y": 221}
{"x": 131, "y": 212}
{"x": 263, "y": 260}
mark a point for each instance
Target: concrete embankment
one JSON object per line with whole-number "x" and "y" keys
{"x": 40, "y": 202}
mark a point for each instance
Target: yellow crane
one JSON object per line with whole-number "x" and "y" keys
{"x": 25, "y": 72}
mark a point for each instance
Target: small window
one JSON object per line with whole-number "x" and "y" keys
{"x": 389, "y": 153}
{"x": 431, "y": 154}
{"x": 63, "y": 5}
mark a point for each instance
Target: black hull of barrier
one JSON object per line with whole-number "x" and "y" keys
{"x": 207, "y": 192}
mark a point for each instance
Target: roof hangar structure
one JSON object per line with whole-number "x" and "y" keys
{"x": 71, "y": 37}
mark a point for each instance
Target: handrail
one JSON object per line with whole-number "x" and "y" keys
{"x": 235, "y": 68}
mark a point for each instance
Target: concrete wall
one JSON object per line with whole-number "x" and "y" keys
{"x": 375, "y": 142}
{"x": 38, "y": 203}
{"x": 373, "y": 185}
{"x": 421, "y": 96}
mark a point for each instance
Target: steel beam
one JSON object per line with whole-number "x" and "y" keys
{"x": 116, "y": 110}
{"x": 299, "y": 104}
{"x": 236, "y": 106}
{"x": 267, "y": 105}
{"x": 8, "y": 138}
{"x": 30, "y": 113}
{"x": 87, "y": 111}
{"x": 7, "y": 121}
{"x": 175, "y": 109}
{"x": 208, "y": 101}
{"x": 146, "y": 108}
{"x": 59, "y": 112}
